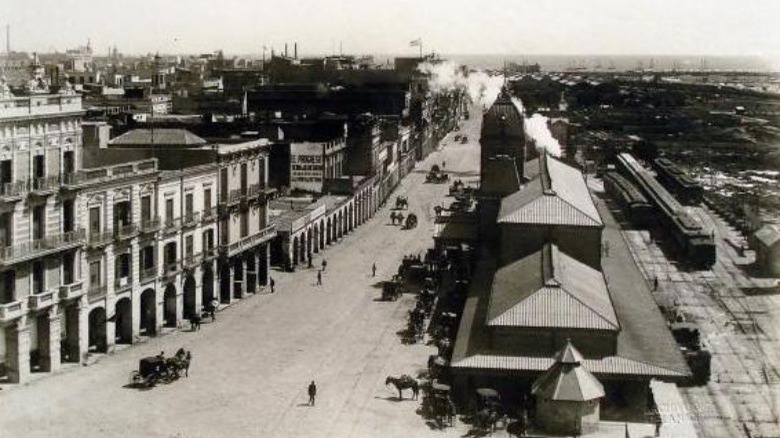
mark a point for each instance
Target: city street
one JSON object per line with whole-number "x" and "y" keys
{"x": 251, "y": 367}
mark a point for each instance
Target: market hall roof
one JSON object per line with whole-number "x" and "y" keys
{"x": 550, "y": 289}
{"x": 557, "y": 196}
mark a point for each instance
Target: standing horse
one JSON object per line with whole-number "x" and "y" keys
{"x": 404, "y": 382}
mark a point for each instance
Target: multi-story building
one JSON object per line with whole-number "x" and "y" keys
{"x": 40, "y": 237}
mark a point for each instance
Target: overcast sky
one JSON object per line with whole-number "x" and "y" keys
{"x": 697, "y": 27}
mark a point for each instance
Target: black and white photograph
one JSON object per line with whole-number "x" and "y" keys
{"x": 391, "y": 219}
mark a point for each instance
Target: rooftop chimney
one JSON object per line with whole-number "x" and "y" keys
{"x": 285, "y": 50}
{"x": 295, "y": 50}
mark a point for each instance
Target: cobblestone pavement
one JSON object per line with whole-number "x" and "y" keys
{"x": 740, "y": 330}
{"x": 252, "y": 366}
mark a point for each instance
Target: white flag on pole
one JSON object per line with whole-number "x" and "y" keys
{"x": 415, "y": 43}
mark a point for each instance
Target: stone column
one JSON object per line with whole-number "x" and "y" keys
{"x": 17, "y": 346}
{"x": 110, "y": 325}
{"x": 179, "y": 300}
{"x": 55, "y": 339}
{"x": 83, "y": 332}
{"x": 197, "y": 275}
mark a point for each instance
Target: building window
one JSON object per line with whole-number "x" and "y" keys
{"x": 6, "y": 229}
{"x": 68, "y": 276}
{"x": 244, "y": 223}
{"x": 189, "y": 246}
{"x": 208, "y": 239}
{"x": 67, "y": 215}
{"x": 39, "y": 275}
{"x": 207, "y": 201}
{"x": 146, "y": 257}
{"x": 6, "y": 171}
{"x": 123, "y": 269}
{"x": 95, "y": 277}
{"x": 94, "y": 221}
{"x": 39, "y": 222}
{"x": 146, "y": 209}
{"x": 68, "y": 162}
{"x": 169, "y": 210}
{"x": 39, "y": 166}
{"x": 8, "y": 293}
{"x": 189, "y": 206}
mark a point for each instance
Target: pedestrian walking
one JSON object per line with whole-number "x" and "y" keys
{"x": 312, "y": 393}
{"x": 373, "y": 270}
{"x": 213, "y": 309}
{"x": 272, "y": 283}
{"x": 310, "y": 261}
{"x": 655, "y": 283}
{"x": 319, "y": 278}
{"x": 324, "y": 264}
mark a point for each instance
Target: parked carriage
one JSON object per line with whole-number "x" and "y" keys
{"x": 401, "y": 202}
{"x": 391, "y": 290}
{"x": 411, "y": 221}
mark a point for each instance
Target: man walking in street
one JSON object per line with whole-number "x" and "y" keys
{"x": 312, "y": 393}
{"x": 213, "y": 309}
{"x": 272, "y": 283}
{"x": 324, "y": 264}
{"x": 319, "y": 278}
{"x": 373, "y": 270}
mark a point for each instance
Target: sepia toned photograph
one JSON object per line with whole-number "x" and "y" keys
{"x": 391, "y": 219}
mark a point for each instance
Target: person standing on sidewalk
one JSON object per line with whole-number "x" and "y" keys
{"x": 213, "y": 309}
{"x": 319, "y": 278}
{"x": 272, "y": 283}
{"x": 312, "y": 393}
{"x": 373, "y": 270}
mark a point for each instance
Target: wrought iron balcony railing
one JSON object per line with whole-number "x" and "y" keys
{"x": 37, "y": 247}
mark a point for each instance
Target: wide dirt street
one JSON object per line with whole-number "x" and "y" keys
{"x": 252, "y": 366}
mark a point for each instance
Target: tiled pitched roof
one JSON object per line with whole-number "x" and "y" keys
{"x": 160, "y": 137}
{"x": 558, "y": 196}
{"x": 550, "y": 289}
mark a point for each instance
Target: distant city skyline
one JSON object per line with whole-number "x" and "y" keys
{"x": 533, "y": 27}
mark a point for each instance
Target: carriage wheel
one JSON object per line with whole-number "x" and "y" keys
{"x": 135, "y": 377}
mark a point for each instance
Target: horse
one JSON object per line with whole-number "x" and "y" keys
{"x": 195, "y": 321}
{"x": 393, "y": 217}
{"x": 404, "y": 382}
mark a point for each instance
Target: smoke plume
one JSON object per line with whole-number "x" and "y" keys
{"x": 536, "y": 128}
{"x": 446, "y": 76}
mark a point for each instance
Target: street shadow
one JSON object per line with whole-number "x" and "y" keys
{"x": 138, "y": 386}
{"x": 392, "y": 398}
{"x": 378, "y": 285}
{"x": 304, "y": 405}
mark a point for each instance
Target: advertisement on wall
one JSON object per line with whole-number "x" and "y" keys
{"x": 306, "y": 167}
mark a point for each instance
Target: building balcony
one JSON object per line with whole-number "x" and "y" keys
{"x": 72, "y": 291}
{"x": 45, "y": 185}
{"x": 191, "y": 261}
{"x": 11, "y": 311}
{"x": 98, "y": 238}
{"x": 210, "y": 254}
{"x": 41, "y": 247}
{"x": 191, "y": 219}
{"x": 148, "y": 274}
{"x": 171, "y": 269}
{"x": 13, "y": 191}
{"x": 172, "y": 225}
{"x": 264, "y": 235}
{"x": 236, "y": 196}
{"x": 125, "y": 231}
{"x": 209, "y": 215}
{"x": 97, "y": 292}
{"x": 121, "y": 283}
{"x": 43, "y": 300}
{"x": 71, "y": 181}
{"x": 150, "y": 225}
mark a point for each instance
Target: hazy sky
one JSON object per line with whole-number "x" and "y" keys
{"x": 698, "y": 27}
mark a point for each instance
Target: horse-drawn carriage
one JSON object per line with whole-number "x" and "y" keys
{"x": 392, "y": 289}
{"x": 401, "y": 202}
{"x": 435, "y": 175}
{"x": 159, "y": 369}
{"x": 438, "y": 404}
